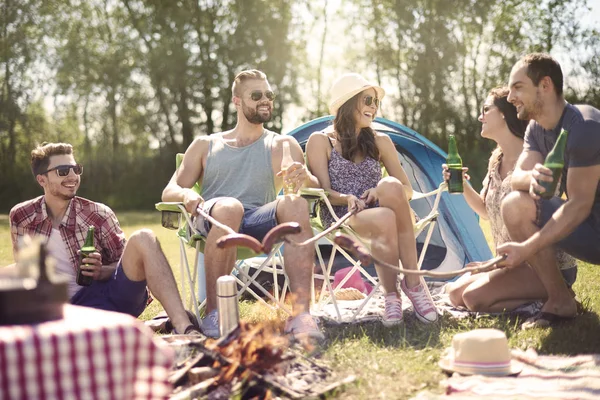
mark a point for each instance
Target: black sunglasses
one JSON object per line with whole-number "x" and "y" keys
{"x": 256, "y": 95}
{"x": 486, "y": 108}
{"x": 368, "y": 100}
{"x": 63, "y": 170}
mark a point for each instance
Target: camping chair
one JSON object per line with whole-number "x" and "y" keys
{"x": 175, "y": 216}
{"x": 426, "y": 223}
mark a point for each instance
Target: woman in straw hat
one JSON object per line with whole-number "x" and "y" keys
{"x": 502, "y": 289}
{"x": 347, "y": 161}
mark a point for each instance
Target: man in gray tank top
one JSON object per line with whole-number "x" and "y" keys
{"x": 240, "y": 175}
{"x": 539, "y": 226}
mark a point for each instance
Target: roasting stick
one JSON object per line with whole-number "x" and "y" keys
{"x": 280, "y": 232}
{"x": 275, "y": 235}
{"x": 367, "y": 258}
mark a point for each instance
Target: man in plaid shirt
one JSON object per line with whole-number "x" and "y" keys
{"x": 121, "y": 269}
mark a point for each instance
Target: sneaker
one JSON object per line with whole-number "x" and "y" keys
{"x": 210, "y": 324}
{"x": 393, "y": 310}
{"x": 422, "y": 302}
{"x": 303, "y": 327}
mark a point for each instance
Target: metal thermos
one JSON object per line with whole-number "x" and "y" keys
{"x": 227, "y": 304}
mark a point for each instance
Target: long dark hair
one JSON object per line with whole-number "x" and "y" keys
{"x": 515, "y": 125}
{"x": 345, "y": 126}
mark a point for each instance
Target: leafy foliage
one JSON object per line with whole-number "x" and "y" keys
{"x": 131, "y": 82}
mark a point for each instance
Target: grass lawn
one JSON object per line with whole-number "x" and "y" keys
{"x": 396, "y": 363}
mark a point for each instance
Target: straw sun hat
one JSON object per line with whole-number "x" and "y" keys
{"x": 480, "y": 352}
{"x": 346, "y": 87}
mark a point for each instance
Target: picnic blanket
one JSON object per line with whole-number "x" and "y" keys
{"x": 543, "y": 377}
{"x": 374, "y": 309}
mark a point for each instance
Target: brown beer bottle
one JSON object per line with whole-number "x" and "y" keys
{"x": 87, "y": 249}
{"x": 555, "y": 161}
{"x": 454, "y": 162}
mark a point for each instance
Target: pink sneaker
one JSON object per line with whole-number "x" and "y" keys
{"x": 393, "y": 310}
{"x": 422, "y": 302}
{"x": 303, "y": 327}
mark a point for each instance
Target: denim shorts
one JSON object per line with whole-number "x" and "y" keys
{"x": 256, "y": 221}
{"x": 119, "y": 294}
{"x": 584, "y": 242}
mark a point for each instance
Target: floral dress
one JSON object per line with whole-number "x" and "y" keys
{"x": 495, "y": 190}
{"x": 349, "y": 178}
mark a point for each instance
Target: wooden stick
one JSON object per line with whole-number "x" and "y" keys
{"x": 366, "y": 258}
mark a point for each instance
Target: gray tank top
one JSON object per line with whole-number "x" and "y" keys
{"x": 244, "y": 173}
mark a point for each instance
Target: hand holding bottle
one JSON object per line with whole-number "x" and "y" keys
{"x": 547, "y": 176}
{"x": 293, "y": 172}
{"x": 541, "y": 179}
{"x": 91, "y": 265}
{"x": 90, "y": 261}
{"x": 446, "y": 173}
{"x": 454, "y": 164}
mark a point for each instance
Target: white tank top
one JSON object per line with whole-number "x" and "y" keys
{"x": 58, "y": 250}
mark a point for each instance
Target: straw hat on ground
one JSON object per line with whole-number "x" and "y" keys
{"x": 480, "y": 352}
{"x": 348, "y": 86}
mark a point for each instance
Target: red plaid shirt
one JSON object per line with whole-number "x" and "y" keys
{"x": 31, "y": 217}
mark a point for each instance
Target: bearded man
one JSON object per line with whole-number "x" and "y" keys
{"x": 239, "y": 172}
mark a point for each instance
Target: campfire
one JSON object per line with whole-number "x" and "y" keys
{"x": 252, "y": 362}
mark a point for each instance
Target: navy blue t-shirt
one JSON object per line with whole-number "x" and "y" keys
{"x": 583, "y": 142}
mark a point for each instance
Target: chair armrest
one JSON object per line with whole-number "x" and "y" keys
{"x": 418, "y": 195}
{"x": 313, "y": 193}
{"x": 171, "y": 206}
{"x": 172, "y": 214}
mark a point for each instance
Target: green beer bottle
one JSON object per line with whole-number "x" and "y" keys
{"x": 555, "y": 160}
{"x": 454, "y": 162}
{"x": 87, "y": 249}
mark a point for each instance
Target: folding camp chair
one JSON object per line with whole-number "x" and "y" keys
{"x": 175, "y": 216}
{"x": 428, "y": 222}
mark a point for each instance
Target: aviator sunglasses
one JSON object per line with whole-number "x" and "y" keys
{"x": 368, "y": 100}
{"x": 63, "y": 170}
{"x": 256, "y": 95}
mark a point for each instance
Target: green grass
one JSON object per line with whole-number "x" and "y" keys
{"x": 396, "y": 362}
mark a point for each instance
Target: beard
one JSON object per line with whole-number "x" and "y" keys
{"x": 528, "y": 113}
{"x": 253, "y": 116}
{"x": 56, "y": 191}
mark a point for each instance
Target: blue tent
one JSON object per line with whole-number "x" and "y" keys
{"x": 457, "y": 239}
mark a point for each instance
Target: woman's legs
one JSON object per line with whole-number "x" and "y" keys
{"x": 456, "y": 289}
{"x": 378, "y": 225}
{"x": 503, "y": 290}
{"x": 390, "y": 192}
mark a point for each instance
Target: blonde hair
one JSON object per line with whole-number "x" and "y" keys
{"x": 249, "y": 74}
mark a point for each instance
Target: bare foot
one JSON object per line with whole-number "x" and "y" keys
{"x": 565, "y": 308}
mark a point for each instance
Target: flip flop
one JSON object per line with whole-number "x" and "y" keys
{"x": 162, "y": 324}
{"x": 544, "y": 319}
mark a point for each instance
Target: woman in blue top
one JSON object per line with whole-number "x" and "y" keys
{"x": 347, "y": 161}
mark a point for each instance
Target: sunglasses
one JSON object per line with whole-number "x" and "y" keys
{"x": 256, "y": 95}
{"x": 486, "y": 108}
{"x": 368, "y": 100}
{"x": 63, "y": 170}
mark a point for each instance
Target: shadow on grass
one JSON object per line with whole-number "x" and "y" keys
{"x": 410, "y": 334}
{"x": 578, "y": 336}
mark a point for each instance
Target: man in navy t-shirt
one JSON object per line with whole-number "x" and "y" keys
{"x": 537, "y": 226}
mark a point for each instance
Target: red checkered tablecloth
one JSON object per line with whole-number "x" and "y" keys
{"x": 90, "y": 354}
